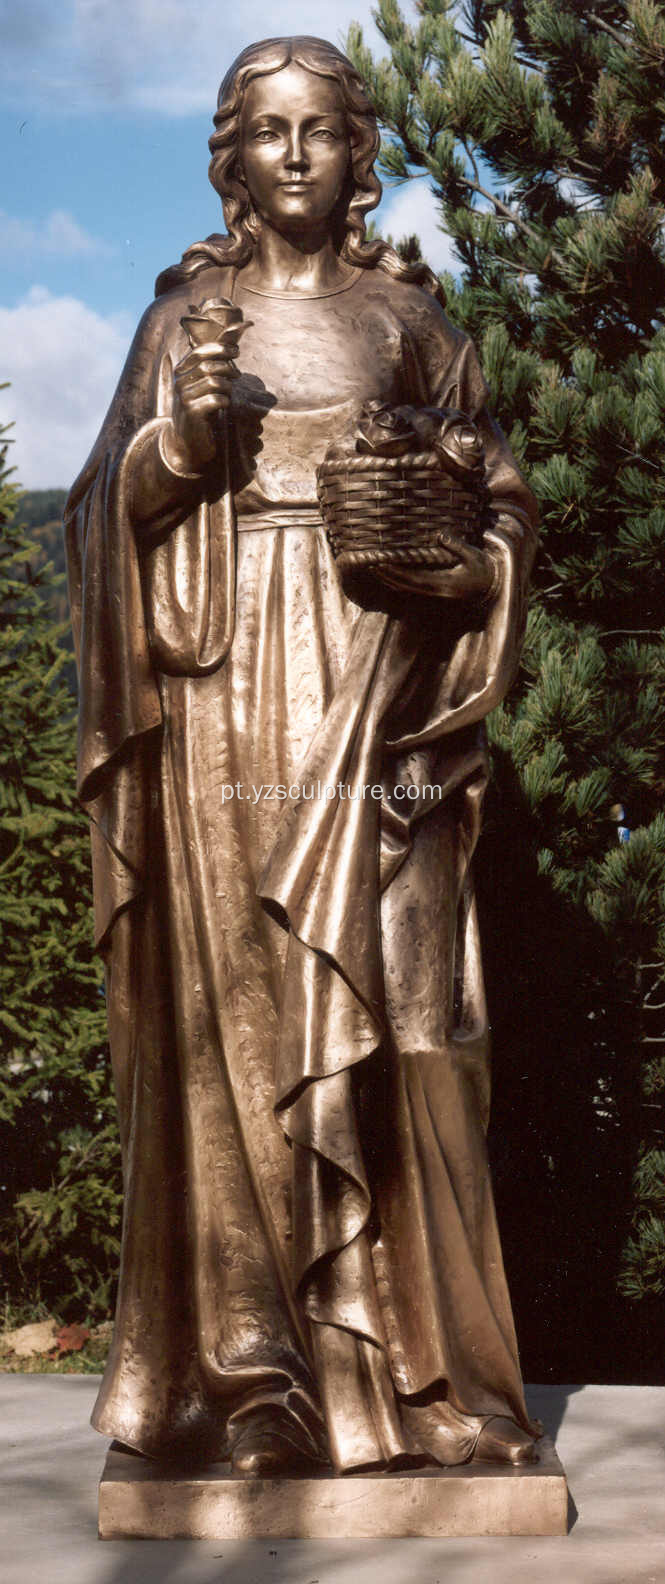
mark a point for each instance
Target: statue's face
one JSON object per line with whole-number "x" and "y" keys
{"x": 294, "y": 147}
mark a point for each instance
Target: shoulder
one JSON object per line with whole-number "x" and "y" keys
{"x": 414, "y": 304}
{"x": 162, "y": 316}
{"x": 155, "y": 330}
{"x": 446, "y": 356}
{"x": 161, "y": 320}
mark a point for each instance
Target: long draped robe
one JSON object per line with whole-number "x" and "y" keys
{"x": 296, "y": 1011}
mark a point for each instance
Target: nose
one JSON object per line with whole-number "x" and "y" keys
{"x": 296, "y": 156}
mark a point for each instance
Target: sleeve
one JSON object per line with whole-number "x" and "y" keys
{"x": 483, "y": 662}
{"x": 118, "y": 696}
{"x": 141, "y": 603}
{"x": 454, "y": 378}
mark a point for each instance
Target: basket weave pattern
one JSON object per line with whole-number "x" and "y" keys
{"x": 396, "y": 510}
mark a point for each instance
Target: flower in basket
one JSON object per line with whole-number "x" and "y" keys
{"x": 398, "y": 431}
{"x": 385, "y": 431}
{"x": 459, "y": 446}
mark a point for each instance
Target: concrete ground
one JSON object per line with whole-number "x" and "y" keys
{"x": 611, "y": 1440}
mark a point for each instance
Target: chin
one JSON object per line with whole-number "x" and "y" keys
{"x": 299, "y": 214}
{"x": 288, "y": 202}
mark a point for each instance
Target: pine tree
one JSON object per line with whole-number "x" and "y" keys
{"x": 540, "y": 125}
{"x": 59, "y": 1172}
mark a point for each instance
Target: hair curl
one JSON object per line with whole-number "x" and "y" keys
{"x": 364, "y": 189}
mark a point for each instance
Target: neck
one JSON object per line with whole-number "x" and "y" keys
{"x": 306, "y": 263}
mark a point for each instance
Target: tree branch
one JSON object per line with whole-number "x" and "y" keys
{"x": 471, "y": 158}
{"x": 502, "y": 210}
{"x": 613, "y": 33}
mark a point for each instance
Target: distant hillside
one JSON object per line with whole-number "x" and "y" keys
{"x": 38, "y": 508}
{"x": 41, "y": 511}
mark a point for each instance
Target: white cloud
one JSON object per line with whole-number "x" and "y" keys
{"x": 163, "y": 55}
{"x": 58, "y": 234}
{"x": 62, "y": 361}
{"x": 413, "y": 208}
{"x": 576, "y": 193}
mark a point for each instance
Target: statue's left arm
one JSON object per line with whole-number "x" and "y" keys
{"x": 483, "y": 662}
{"x": 514, "y": 511}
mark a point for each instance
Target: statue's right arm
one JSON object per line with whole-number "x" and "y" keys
{"x": 172, "y": 460}
{"x": 160, "y": 437}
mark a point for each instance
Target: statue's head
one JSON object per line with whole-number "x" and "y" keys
{"x": 362, "y": 190}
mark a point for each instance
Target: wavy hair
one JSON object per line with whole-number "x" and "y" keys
{"x": 363, "y": 191}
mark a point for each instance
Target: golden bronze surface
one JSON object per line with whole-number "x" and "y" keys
{"x": 284, "y": 772}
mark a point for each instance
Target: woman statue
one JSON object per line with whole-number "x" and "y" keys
{"x": 284, "y": 785}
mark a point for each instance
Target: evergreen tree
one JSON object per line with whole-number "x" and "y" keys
{"x": 540, "y": 125}
{"x": 59, "y": 1176}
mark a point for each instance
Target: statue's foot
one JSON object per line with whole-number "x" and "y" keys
{"x": 503, "y": 1441}
{"x": 268, "y": 1450}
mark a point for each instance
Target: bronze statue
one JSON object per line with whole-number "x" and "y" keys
{"x": 283, "y": 757}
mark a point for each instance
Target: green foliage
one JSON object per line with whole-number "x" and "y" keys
{"x": 541, "y": 127}
{"x": 59, "y": 1225}
{"x": 644, "y": 1261}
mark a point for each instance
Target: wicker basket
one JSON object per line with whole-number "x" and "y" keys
{"x": 397, "y": 510}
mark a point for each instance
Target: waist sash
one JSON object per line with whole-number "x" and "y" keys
{"x": 282, "y": 517}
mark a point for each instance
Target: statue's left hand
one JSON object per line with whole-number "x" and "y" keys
{"x": 473, "y": 574}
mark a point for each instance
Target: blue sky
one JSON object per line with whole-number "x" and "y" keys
{"x": 105, "y": 112}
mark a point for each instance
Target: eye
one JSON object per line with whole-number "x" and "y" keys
{"x": 264, "y": 135}
{"x": 325, "y": 132}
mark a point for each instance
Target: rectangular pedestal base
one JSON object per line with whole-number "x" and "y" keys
{"x": 139, "y": 1499}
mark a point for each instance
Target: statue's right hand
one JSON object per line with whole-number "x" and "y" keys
{"x": 202, "y": 389}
